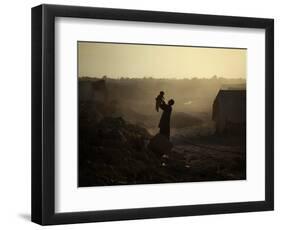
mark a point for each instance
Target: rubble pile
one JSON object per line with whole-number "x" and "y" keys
{"x": 114, "y": 152}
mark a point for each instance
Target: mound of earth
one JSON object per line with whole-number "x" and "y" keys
{"x": 115, "y": 152}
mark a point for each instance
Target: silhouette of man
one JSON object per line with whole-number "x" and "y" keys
{"x": 164, "y": 123}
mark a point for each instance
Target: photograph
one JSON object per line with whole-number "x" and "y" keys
{"x": 142, "y": 114}
{"x": 160, "y": 113}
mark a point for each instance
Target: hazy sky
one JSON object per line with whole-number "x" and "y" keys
{"x": 129, "y": 60}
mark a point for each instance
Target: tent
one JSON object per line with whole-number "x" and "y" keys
{"x": 229, "y": 110}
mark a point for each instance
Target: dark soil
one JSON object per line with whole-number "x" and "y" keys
{"x": 114, "y": 152}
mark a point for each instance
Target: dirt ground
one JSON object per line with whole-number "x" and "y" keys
{"x": 117, "y": 153}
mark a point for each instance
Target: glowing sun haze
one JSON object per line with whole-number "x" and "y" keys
{"x": 159, "y": 61}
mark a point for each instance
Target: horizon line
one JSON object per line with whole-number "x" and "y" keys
{"x": 153, "y": 78}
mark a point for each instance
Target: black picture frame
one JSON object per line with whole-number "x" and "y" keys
{"x": 43, "y": 110}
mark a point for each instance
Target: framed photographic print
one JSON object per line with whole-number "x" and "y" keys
{"x": 143, "y": 114}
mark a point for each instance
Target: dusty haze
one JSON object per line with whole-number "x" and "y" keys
{"x": 119, "y": 140}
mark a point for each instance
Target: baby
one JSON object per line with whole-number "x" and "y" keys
{"x": 159, "y": 99}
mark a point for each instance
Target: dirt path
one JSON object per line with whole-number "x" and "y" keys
{"x": 207, "y": 162}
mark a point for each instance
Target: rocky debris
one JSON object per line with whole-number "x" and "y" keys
{"x": 115, "y": 132}
{"x": 115, "y": 152}
{"x": 160, "y": 145}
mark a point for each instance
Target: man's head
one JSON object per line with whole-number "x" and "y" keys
{"x": 162, "y": 93}
{"x": 171, "y": 102}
